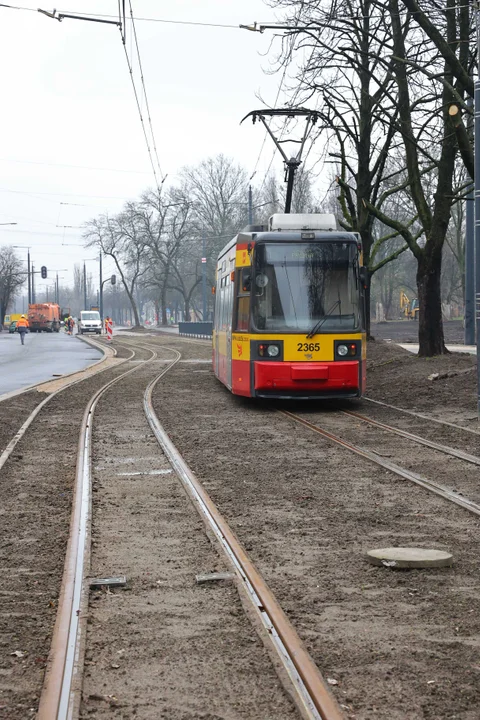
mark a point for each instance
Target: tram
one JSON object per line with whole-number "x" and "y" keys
{"x": 289, "y": 316}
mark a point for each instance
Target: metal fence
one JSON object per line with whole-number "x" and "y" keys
{"x": 195, "y": 329}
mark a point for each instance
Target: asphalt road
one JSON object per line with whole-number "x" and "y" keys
{"x": 42, "y": 356}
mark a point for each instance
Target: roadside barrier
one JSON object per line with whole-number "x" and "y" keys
{"x": 195, "y": 329}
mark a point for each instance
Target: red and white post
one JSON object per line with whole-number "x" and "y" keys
{"x": 109, "y": 325}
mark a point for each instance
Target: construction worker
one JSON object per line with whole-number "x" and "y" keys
{"x": 22, "y": 328}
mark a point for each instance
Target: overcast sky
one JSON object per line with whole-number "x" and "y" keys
{"x": 72, "y": 145}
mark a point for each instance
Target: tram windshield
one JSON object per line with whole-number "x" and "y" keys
{"x": 301, "y": 286}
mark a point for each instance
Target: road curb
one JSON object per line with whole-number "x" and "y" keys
{"x": 107, "y": 354}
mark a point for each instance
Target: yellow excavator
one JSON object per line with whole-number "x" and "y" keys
{"x": 410, "y": 308}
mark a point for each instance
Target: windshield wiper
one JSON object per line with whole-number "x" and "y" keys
{"x": 319, "y": 324}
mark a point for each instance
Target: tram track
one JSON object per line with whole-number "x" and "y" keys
{"x": 312, "y": 692}
{"x": 61, "y": 696}
{"x": 244, "y": 573}
{"x": 307, "y": 513}
{"x": 39, "y": 407}
{"x": 422, "y": 416}
{"x": 37, "y": 462}
{"x": 447, "y": 493}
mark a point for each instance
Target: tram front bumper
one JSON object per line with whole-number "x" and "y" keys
{"x": 292, "y": 379}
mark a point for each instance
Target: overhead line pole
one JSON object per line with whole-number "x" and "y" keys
{"x": 101, "y": 290}
{"x": 204, "y": 277}
{"x": 477, "y": 199}
{"x": 84, "y": 286}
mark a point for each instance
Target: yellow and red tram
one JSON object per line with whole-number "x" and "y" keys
{"x": 289, "y": 311}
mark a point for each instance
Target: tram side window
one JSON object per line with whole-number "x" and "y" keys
{"x": 244, "y": 283}
{"x": 218, "y": 304}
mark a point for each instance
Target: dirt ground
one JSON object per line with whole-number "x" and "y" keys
{"x": 406, "y": 331}
{"x": 164, "y": 647}
{"x": 35, "y": 503}
{"x": 398, "y": 377}
{"x": 401, "y": 645}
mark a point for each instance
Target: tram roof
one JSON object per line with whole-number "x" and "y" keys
{"x": 243, "y": 238}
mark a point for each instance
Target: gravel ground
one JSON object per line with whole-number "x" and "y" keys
{"x": 164, "y": 647}
{"x": 400, "y": 378}
{"x": 405, "y": 331}
{"x": 36, "y": 491}
{"x": 14, "y": 412}
{"x": 402, "y": 645}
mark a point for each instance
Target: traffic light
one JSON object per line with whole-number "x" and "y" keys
{"x": 43, "y": 270}
{"x": 113, "y": 279}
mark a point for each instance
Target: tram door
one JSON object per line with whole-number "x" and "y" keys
{"x": 229, "y": 298}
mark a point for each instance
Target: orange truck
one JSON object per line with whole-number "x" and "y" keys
{"x": 44, "y": 317}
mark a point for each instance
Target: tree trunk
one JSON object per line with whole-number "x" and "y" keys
{"x": 430, "y": 326}
{"x": 163, "y": 300}
{"x": 368, "y": 309}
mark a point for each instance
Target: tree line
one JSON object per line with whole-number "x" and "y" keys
{"x": 392, "y": 84}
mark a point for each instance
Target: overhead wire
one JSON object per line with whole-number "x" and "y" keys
{"x": 139, "y": 108}
{"x": 328, "y": 17}
{"x": 130, "y": 69}
{"x": 147, "y": 106}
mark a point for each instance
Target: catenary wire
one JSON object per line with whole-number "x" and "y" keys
{"x": 147, "y": 106}
{"x": 328, "y": 17}
{"x": 130, "y": 69}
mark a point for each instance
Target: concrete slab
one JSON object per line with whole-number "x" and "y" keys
{"x": 398, "y": 557}
{"x": 43, "y": 356}
{"x": 470, "y": 349}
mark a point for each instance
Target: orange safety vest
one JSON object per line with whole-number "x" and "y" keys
{"x": 23, "y": 322}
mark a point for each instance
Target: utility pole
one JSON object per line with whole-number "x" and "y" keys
{"x": 477, "y": 200}
{"x": 30, "y": 280}
{"x": 84, "y": 286}
{"x": 204, "y": 277}
{"x": 470, "y": 261}
{"x": 250, "y": 205}
{"x": 101, "y": 290}
{"x": 33, "y": 285}
{"x": 470, "y": 270}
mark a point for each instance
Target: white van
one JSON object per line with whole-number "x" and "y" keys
{"x": 89, "y": 321}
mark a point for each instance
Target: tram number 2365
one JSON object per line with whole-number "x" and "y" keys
{"x": 308, "y": 347}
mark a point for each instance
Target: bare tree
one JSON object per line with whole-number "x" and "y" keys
{"x": 12, "y": 277}
{"x": 120, "y": 238}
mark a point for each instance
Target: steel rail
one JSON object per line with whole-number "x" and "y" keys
{"x": 467, "y": 457}
{"x": 21, "y": 432}
{"x": 424, "y": 482}
{"x": 61, "y": 691}
{"x": 313, "y": 695}
{"x": 421, "y": 416}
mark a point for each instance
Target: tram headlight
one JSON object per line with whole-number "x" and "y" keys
{"x": 268, "y": 350}
{"x": 346, "y": 350}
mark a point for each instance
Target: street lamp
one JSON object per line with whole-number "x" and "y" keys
{"x": 26, "y": 247}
